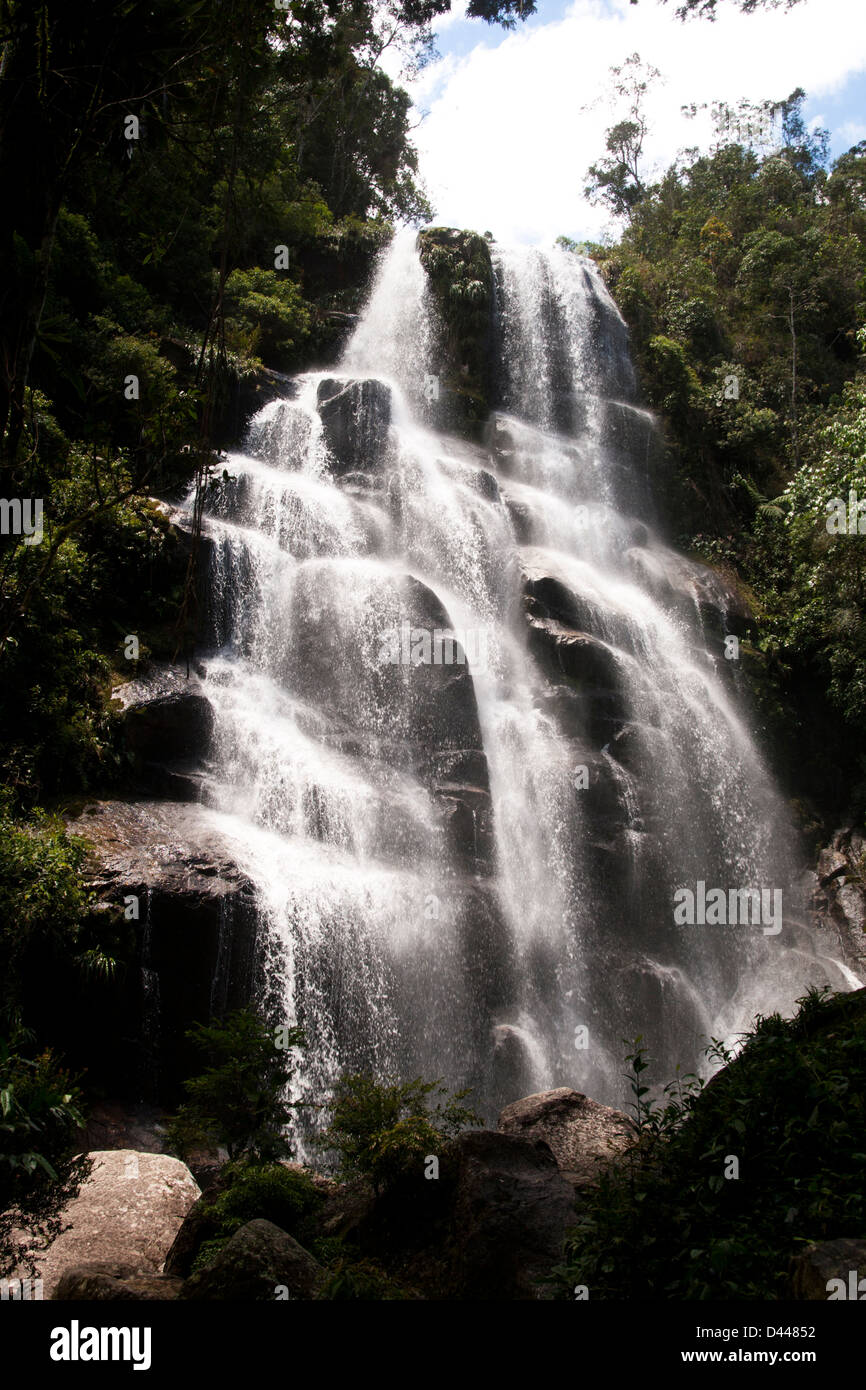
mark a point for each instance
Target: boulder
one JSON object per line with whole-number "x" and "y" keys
{"x": 110, "y": 1282}
{"x": 126, "y": 1215}
{"x": 511, "y": 1209}
{"x": 491, "y": 1226}
{"x": 196, "y": 1228}
{"x": 355, "y": 416}
{"x": 584, "y": 1137}
{"x": 253, "y": 1265}
{"x": 813, "y": 1268}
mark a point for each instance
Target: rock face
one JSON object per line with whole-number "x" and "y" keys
{"x": 195, "y": 933}
{"x": 258, "y": 1264}
{"x": 355, "y": 418}
{"x": 584, "y": 1137}
{"x": 812, "y": 1270}
{"x": 839, "y": 895}
{"x": 125, "y": 1216}
{"x": 167, "y": 727}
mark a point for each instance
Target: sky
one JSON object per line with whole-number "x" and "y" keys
{"x": 509, "y": 122}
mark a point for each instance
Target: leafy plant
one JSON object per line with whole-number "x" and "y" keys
{"x": 238, "y": 1101}
{"x": 675, "y": 1219}
{"x": 383, "y": 1130}
{"x": 259, "y": 1191}
{"x": 43, "y": 906}
{"x": 40, "y": 1114}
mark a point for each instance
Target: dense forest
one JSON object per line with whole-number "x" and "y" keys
{"x": 198, "y": 194}
{"x": 741, "y": 274}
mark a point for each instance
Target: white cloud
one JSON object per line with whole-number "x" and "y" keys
{"x": 852, "y": 132}
{"x": 508, "y": 138}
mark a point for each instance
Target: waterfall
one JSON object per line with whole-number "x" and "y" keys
{"x": 475, "y": 722}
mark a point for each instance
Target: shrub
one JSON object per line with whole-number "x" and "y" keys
{"x": 271, "y": 1192}
{"x": 383, "y": 1130}
{"x": 43, "y": 903}
{"x": 670, "y": 1223}
{"x": 39, "y": 1117}
{"x": 239, "y": 1101}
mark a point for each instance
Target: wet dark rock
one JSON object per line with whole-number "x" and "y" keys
{"x": 167, "y": 725}
{"x": 423, "y": 708}
{"x": 467, "y": 817}
{"x": 194, "y": 935}
{"x": 577, "y": 655}
{"x": 838, "y": 895}
{"x": 355, "y": 416}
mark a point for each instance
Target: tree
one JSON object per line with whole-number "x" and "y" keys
{"x": 238, "y": 1102}
{"x": 618, "y": 180}
{"x": 706, "y": 9}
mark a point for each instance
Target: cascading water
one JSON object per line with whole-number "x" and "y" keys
{"x": 467, "y": 868}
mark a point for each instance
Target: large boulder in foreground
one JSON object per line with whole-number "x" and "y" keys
{"x": 511, "y": 1211}
{"x": 259, "y": 1263}
{"x": 585, "y": 1137}
{"x": 126, "y": 1214}
{"x": 490, "y": 1226}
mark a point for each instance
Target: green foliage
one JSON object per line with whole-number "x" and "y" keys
{"x": 617, "y": 180}
{"x": 256, "y": 130}
{"x": 460, "y": 273}
{"x": 363, "y": 1280}
{"x": 742, "y": 275}
{"x": 666, "y": 1223}
{"x": 260, "y": 1191}
{"x": 100, "y": 572}
{"x": 267, "y": 316}
{"x": 238, "y": 1102}
{"x": 43, "y": 907}
{"x": 384, "y": 1130}
{"x": 40, "y": 1114}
